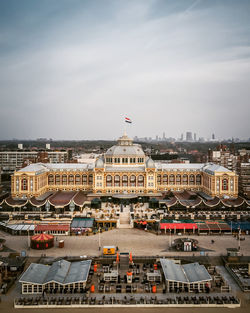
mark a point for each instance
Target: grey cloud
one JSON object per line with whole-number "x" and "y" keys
{"x": 159, "y": 63}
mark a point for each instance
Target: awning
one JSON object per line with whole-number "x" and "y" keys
{"x": 52, "y": 227}
{"x": 124, "y": 196}
{"x": 141, "y": 222}
{"x": 178, "y": 226}
{"x": 62, "y": 198}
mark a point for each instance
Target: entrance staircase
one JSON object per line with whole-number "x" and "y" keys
{"x": 125, "y": 217}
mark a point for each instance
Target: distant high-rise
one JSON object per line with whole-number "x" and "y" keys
{"x": 189, "y": 136}
{"x": 181, "y": 137}
{"x": 163, "y": 136}
{"x": 213, "y": 136}
{"x": 194, "y": 136}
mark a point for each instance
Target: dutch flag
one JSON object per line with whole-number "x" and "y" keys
{"x": 128, "y": 120}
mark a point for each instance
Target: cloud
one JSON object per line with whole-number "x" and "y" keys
{"x": 82, "y": 67}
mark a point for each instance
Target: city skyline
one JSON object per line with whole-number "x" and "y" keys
{"x": 73, "y": 70}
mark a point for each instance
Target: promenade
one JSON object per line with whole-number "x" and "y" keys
{"x": 139, "y": 242}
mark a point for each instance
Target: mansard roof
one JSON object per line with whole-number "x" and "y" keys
{"x": 39, "y": 168}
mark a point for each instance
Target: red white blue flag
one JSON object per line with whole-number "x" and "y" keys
{"x": 128, "y": 120}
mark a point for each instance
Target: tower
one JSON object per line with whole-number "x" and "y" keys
{"x": 189, "y": 136}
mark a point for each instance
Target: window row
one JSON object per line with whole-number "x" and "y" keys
{"x": 179, "y": 179}
{"x": 124, "y": 160}
{"x": 124, "y": 181}
{"x": 70, "y": 179}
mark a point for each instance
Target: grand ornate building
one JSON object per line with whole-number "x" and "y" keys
{"x": 124, "y": 169}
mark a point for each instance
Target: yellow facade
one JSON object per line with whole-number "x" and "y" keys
{"x": 124, "y": 168}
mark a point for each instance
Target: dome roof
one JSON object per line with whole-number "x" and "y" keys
{"x": 125, "y": 147}
{"x": 99, "y": 163}
{"x": 129, "y": 150}
{"x": 150, "y": 163}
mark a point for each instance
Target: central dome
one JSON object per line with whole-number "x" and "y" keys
{"x": 125, "y": 147}
{"x": 134, "y": 150}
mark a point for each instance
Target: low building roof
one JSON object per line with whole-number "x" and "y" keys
{"x": 35, "y": 273}
{"x": 187, "y": 273}
{"x": 82, "y": 222}
{"x": 196, "y": 272}
{"x": 58, "y": 272}
{"x": 62, "y": 272}
{"x": 78, "y": 271}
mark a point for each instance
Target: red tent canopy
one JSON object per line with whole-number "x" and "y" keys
{"x": 42, "y": 237}
{"x": 178, "y": 226}
{"x": 54, "y": 227}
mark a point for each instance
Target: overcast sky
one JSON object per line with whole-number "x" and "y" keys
{"x": 72, "y": 69}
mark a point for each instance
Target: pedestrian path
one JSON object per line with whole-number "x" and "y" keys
{"x": 228, "y": 278}
{"x": 125, "y": 217}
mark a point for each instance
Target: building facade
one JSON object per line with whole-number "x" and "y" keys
{"x": 14, "y": 159}
{"x": 124, "y": 169}
{"x": 244, "y": 179}
{"x": 236, "y": 161}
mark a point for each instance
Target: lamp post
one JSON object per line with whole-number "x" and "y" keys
{"x": 169, "y": 238}
{"x": 239, "y": 239}
{"x": 28, "y": 239}
{"x": 99, "y": 238}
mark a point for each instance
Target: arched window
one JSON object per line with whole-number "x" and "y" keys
{"x": 125, "y": 181}
{"x": 78, "y": 179}
{"x": 132, "y": 180}
{"x": 109, "y": 180}
{"x": 71, "y": 179}
{"x": 90, "y": 179}
{"x": 58, "y": 180}
{"x": 140, "y": 181}
{"x": 159, "y": 179}
{"x": 165, "y": 179}
{"x": 185, "y": 179}
{"x": 171, "y": 179}
{"x": 191, "y": 179}
{"x": 225, "y": 184}
{"x": 51, "y": 180}
{"x": 198, "y": 179}
{"x": 178, "y": 179}
{"x": 117, "y": 181}
{"x": 84, "y": 179}
{"x": 24, "y": 184}
{"x": 64, "y": 179}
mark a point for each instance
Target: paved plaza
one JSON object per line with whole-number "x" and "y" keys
{"x": 139, "y": 242}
